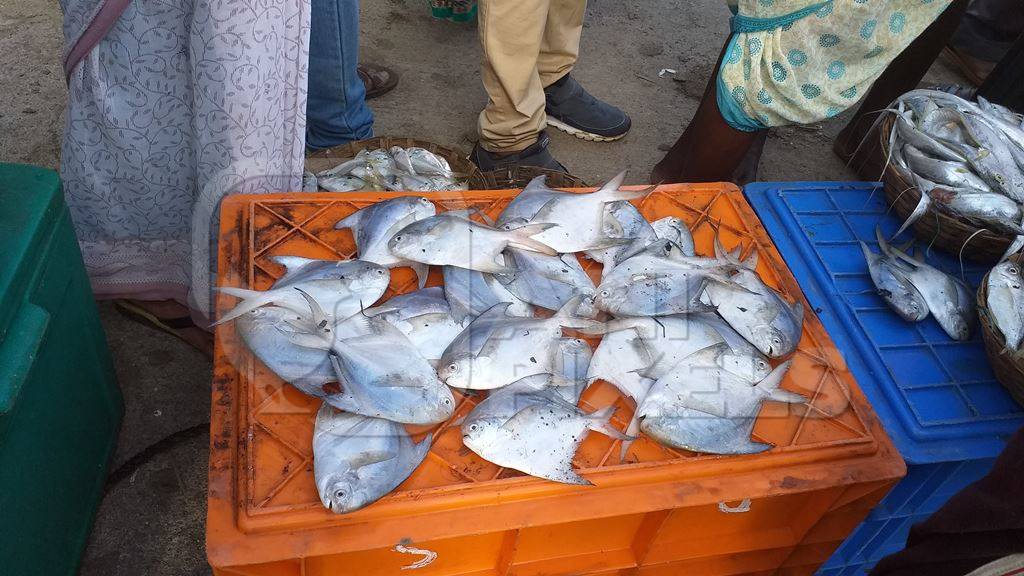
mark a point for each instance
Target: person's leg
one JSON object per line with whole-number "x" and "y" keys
{"x": 569, "y": 107}
{"x": 985, "y": 34}
{"x": 903, "y": 74}
{"x": 336, "y": 111}
{"x": 511, "y": 34}
{"x": 710, "y": 150}
{"x": 560, "y": 46}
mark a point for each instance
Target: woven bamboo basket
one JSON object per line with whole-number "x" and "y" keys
{"x": 1008, "y": 365}
{"x": 937, "y": 228}
{"x": 520, "y": 176}
{"x": 330, "y": 157}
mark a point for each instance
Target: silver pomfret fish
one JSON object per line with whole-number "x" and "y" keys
{"x": 579, "y": 218}
{"x": 357, "y": 459}
{"x": 496, "y": 350}
{"x": 758, "y": 313}
{"x": 343, "y": 288}
{"x": 533, "y": 430}
{"x": 453, "y": 240}
{"x": 375, "y": 225}
{"x": 471, "y": 293}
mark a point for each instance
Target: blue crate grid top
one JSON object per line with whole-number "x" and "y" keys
{"x": 937, "y": 398}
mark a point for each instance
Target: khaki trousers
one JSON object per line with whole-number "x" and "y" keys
{"x": 527, "y": 46}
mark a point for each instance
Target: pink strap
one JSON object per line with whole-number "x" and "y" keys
{"x": 97, "y": 29}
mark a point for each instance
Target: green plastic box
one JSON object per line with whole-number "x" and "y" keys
{"x": 60, "y": 406}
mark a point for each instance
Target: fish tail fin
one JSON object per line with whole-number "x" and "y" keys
{"x": 600, "y": 421}
{"x": 567, "y": 318}
{"x": 633, "y": 429}
{"x": 610, "y": 242}
{"x": 521, "y": 238}
{"x": 770, "y": 386}
{"x": 350, "y": 221}
{"x": 251, "y": 300}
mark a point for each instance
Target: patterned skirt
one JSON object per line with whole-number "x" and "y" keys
{"x": 794, "y": 62}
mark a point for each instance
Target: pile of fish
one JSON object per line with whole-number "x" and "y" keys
{"x": 1005, "y": 302}
{"x": 691, "y": 339}
{"x": 398, "y": 169}
{"x": 915, "y": 289}
{"x": 966, "y": 158}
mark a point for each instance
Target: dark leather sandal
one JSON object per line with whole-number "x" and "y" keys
{"x": 378, "y": 80}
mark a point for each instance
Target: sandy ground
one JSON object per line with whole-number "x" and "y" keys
{"x": 152, "y": 520}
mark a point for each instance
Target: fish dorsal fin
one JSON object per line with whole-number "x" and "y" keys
{"x": 292, "y": 266}
{"x": 473, "y": 338}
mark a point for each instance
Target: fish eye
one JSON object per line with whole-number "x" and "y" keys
{"x": 1013, "y": 270}
{"x": 473, "y": 427}
{"x": 604, "y": 293}
{"x": 777, "y": 341}
{"x": 762, "y": 364}
{"x": 398, "y": 238}
{"x": 380, "y": 272}
{"x": 447, "y": 402}
{"x": 339, "y": 494}
{"x": 453, "y": 367}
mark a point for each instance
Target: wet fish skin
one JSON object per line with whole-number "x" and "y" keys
{"x": 265, "y": 333}
{"x": 623, "y": 220}
{"x": 956, "y": 174}
{"x": 703, "y": 407}
{"x": 341, "y": 183}
{"x": 579, "y": 218}
{"x": 949, "y": 301}
{"x": 384, "y": 376}
{"x": 425, "y": 162}
{"x": 988, "y": 209}
{"x": 471, "y": 293}
{"x": 758, "y": 313}
{"x": 991, "y": 158}
{"x": 528, "y": 202}
{"x": 496, "y": 350}
{"x": 451, "y": 239}
{"x": 357, "y": 459}
{"x": 675, "y": 230}
{"x": 534, "y": 431}
{"x": 1005, "y": 301}
{"x": 650, "y": 285}
{"x": 909, "y": 134}
{"x": 894, "y": 287}
{"x": 343, "y": 288}
{"x": 374, "y": 226}
{"x": 548, "y": 281}
{"x": 424, "y": 316}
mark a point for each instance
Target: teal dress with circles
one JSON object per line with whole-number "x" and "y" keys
{"x": 799, "y": 62}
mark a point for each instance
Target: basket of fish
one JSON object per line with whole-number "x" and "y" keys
{"x": 475, "y": 371}
{"x": 384, "y": 163}
{"x": 1001, "y": 310}
{"x": 955, "y": 172}
{"x": 520, "y": 176}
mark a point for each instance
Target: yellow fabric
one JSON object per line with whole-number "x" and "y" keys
{"x": 527, "y": 45}
{"x": 818, "y": 66}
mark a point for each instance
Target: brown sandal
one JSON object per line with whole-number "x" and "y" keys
{"x": 378, "y": 80}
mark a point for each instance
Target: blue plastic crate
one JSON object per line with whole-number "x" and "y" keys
{"x": 937, "y": 398}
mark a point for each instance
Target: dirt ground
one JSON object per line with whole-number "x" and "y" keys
{"x": 152, "y": 520}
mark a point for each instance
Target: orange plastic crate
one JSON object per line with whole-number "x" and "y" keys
{"x": 661, "y": 512}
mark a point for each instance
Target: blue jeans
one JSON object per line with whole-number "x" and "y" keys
{"x": 336, "y": 111}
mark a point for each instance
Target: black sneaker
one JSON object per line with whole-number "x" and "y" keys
{"x": 534, "y": 155}
{"x": 572, "y": 109}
